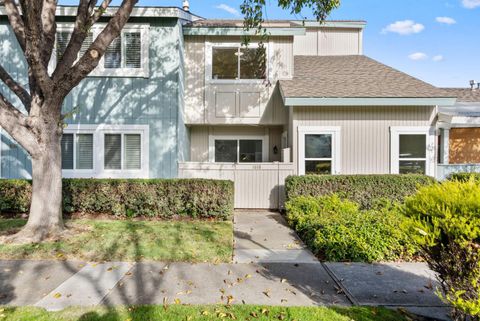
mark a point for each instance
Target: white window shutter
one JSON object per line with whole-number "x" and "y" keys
{"x": 132, "y": 151}
{"x": 84, "y": 144}
{"x": 63, "y": 38}
{"x": 133, "y": 49}
{"x": 113, "y": 151}
{"x": 67, "y": 151}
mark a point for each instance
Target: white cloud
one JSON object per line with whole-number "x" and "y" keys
{"x": 418, "y": 56}
{"x": 471, "y": 4}
{"x": 446, "y": 20}
{"x": 405, "y": 27}
{"x": 437, "y": 58}
{"x": 228, "y": 9}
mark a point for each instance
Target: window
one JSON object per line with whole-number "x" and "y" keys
{"x": 238, "y": 150}
{"x": 127, "y": 157}
{"x": 412, "y": 150}
{"x": 238, "y": 63}
{"x": 77, "y": 151}
{"x": 319, "y": 150}
{"x": 127, "y": 55}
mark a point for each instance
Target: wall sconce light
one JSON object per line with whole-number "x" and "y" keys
{"x": 275, "y": 149}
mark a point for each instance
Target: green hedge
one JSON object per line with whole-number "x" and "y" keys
{"x": 366, "y": 190}
{"x": 159, "y": 198}
{"x": 338, "y": 230}
{"x": 464, "y": 177}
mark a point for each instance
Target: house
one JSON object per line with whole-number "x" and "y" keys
{"x": 179, "y": 96}
{"x": 459, "y": 139}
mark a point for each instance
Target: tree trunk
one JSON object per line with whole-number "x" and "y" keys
{"x": 45, "y": 217}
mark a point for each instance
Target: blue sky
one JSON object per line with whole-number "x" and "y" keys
{"x": 435, "y": 40}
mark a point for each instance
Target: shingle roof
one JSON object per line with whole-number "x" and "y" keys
{"x": 465, "y": 95}
{"x": 353, "y": 77}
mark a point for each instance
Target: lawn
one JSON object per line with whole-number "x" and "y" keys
{"x": 204, "y": 313}
{"x": 94, "y": 240}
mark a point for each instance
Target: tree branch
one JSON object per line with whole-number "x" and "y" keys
{"x": 49, "y": 28}
{"x": 16, "y": 21}
{"x": 16, "y": 125}
{"x": 16, "y": 88}
{"x": 97, "y": 49}
{"x": 99, "y": 12}
{"x": 34, "y": 42}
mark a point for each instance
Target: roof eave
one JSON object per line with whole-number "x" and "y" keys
{"x": 375, "y": 101}
{"x": 239, "y": 31}
{"x": 332, "y": 24}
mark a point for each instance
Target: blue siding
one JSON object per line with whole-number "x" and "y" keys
{"x": 153, "y": 101}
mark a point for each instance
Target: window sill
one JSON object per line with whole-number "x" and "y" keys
{"x": 237, "y": 82}
{"x": 121, "y": 73}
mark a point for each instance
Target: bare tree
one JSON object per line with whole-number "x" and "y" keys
{"x": 39, "y": 129}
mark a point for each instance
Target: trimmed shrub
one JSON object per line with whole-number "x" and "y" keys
{"x": 446, "y": 226}
{"x": 338, "y": 230}
{"x": 155, "y": 198}
{"x": 367, "y": 190}
{"x": 463, "y": 177}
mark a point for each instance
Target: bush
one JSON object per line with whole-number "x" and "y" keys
{"x": 159, "y": 198}
{"x": 463, "y": 177}
{"x": 338, "y": 230}
{"x": 366, "y": 190}
{"x": 447, "y": 227}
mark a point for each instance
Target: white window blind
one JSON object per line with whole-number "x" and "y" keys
{"x": 132, "y": 151}
{"x": 67, "y": 151}
{"x": 113, "y": 151}
{"x": 84, "y": 151}
{"x": 113, "y": 54}
{"x": 133, "y": 49}
{"x": 63, "y": 38}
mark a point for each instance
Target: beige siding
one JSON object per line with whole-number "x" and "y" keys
{"x": 235, "y": 103}
{"x": 328, "y": 42}
{"x": 365, "y": 132}
{"x": 199, "y": 137}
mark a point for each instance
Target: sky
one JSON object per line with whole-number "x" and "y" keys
{"x": 437, "y": 41}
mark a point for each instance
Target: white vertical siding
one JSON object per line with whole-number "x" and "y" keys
{"x": 365, "y": 132}
{"x": 328, "y": 42}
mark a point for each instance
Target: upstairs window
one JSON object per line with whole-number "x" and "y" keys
{"x": 238, "y": 63}
{"x": 127, "y": 55}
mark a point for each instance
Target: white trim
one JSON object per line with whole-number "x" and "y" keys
{"x": 335, "y": 131}
{"x": 396, "y": 131}
{"x": 99, "y": 132}
{"x": 212, "y": 138}
{"x": 100, "y": 71}
{"x": 209, "y": 68}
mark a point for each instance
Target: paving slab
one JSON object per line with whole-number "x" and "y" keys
{"x": 270, "y": 284}
{"x": 436, "y": 313}
{"x": 263, "y": 236}
{"x": 24, "y": 282}
{"x": 389, "y": 284}
{"x": 87, "y": 287}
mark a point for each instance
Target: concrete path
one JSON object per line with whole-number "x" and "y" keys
{"x": 262, "y": 237}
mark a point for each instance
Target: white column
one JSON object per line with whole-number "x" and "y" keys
{"x": 445, "y": 145}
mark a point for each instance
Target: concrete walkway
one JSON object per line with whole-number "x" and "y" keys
{"x": 262, "y": 236}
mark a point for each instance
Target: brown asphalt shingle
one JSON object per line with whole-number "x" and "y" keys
{"x": 353, "y": 77}
{"x": 465, "y": 95}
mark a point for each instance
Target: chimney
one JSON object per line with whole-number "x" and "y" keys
{"x": 186, "y": 5}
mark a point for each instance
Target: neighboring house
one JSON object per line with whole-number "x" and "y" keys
{"x": 179, "y": 96}
{"x": 460, "y": 133}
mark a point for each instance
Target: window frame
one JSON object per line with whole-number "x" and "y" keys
{"x": 209, "y": 46}
{"x": 75, "y": 171}
{"x": 99, "y": 132}
{"x": 122, "y": 149}
{"x": 335, "y": 132}
{"x": 238, "y": 138}
{"x": 429, "y": 132}
{"x": 101, "y": 71}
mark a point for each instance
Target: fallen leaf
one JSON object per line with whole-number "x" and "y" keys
{"x": 177, "y": 301}
{"x": 230, "y": 299}
{"x": 267, "y": 293}
{"x": 204, "y": 312}
{"x": 283, "y": 280}
{"x": 57, "y": 295}
{"x": 248, "y": 276}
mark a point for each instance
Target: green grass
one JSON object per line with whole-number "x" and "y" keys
{"x": 93, "y": 240}
{"x": 204, "y": 313}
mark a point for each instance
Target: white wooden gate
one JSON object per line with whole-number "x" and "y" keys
{"x": 257, "y": 185}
